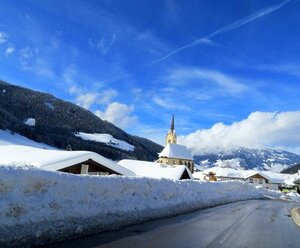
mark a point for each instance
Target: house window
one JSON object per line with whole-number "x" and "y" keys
{"x": 260, "y": 181}
{"x": 250, "y": 180}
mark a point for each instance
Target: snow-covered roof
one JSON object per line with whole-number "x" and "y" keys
{"x": 276, "y": 177}
{"x": 226, "y": 172}
{"x": 176, "y": 151}
{"x": 244, "y": 174}
{"x": 154, "y": 170}
{"x": 54, "y": 159}
{"x": 19, "y": 150}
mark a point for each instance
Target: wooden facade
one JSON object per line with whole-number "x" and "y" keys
{"x": 89, "y": 167}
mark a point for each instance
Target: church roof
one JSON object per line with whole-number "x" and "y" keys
{"x": 176, "y": 151}
{"x": 155, "y": 170}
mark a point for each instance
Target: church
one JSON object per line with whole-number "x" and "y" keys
{"x": 175, "y": 154}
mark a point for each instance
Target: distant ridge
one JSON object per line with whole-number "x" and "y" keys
{"x": 246, "y": 158}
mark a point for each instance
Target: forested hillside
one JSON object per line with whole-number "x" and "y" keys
{"x": 56, "y": 121}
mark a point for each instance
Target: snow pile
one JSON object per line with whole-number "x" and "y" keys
{"x": 294, "y": 196}
{"x": 30, "y": 122}
{"x": 107, "y": 139}
{"x": 291, "y": 196}
{"x": 39, "y": 207}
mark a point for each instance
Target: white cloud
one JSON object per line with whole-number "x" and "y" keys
{"x": 288, "y": 69}
{"x": 168, "y": 103}
{"x": 259, "y": 130}
{"x": 69, "y": 76}
{"x": 3, "y": 38}
{"x": 28, "y": 52}
{"x": 106, "y": 96}
{"x": 9, "y": 50}
{"x": 119, "y": 114}
{"x": 87, "y": 99}
{"x": 104, "y": 44}
{"x": 38, "y": 66}
{"x": 186, "y": 75}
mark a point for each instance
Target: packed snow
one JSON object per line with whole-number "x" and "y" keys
{"x": 9, "y": 138}
{"x": 107, "y": 139}
{"x": 39, "y": 207}
{"x": 30, "y": 122}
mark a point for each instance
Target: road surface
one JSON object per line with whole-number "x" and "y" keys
{"x": 255, "y": 223}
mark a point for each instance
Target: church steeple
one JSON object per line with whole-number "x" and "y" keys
{"x": 172, "y": 124}
{"x": 171, "y": 136}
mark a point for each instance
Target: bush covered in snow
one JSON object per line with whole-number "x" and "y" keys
{"x": 39, "y": 206}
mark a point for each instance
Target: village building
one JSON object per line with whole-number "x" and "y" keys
{"x": 156, "y": 170}
{"x": 175, "y": 154}
{"x": 76, "y": 162}
{"x": 266, "y": 179}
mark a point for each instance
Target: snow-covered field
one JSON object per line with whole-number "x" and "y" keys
{"x": 107, "y": 139}
{"x": 39, "y": 206}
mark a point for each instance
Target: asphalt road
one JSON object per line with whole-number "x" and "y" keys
{"x": 255, "y": 223}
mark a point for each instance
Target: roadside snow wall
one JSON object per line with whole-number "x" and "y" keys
{"x": 39, "y": 207}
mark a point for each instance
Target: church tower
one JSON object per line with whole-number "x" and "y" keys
{"x": 171, "y": 136}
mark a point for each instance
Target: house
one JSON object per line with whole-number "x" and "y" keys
{"x": 76, "y": 162}
{"x": 175, "y": 154}
{"x": 156, "y": 170}
{"x": 266, "y": 179}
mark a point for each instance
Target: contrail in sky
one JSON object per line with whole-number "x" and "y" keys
{"x": 225, "y": 29}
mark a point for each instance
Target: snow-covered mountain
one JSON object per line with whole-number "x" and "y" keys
{"x": 46, "y": 119}
{"x": 246, "y": 158}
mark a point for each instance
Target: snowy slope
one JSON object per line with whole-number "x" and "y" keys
{"x": 8, "y": 138}
{"x": 245, "y": 158}
{"x": 39, "y": 207}
{"x": 107, "y": 139}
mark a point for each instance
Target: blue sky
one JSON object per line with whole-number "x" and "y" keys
{"x": 135, "y": 63}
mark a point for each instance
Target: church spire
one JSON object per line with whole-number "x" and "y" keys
{"x": 171, "y": 135}
{"x": 172, "y": 124}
